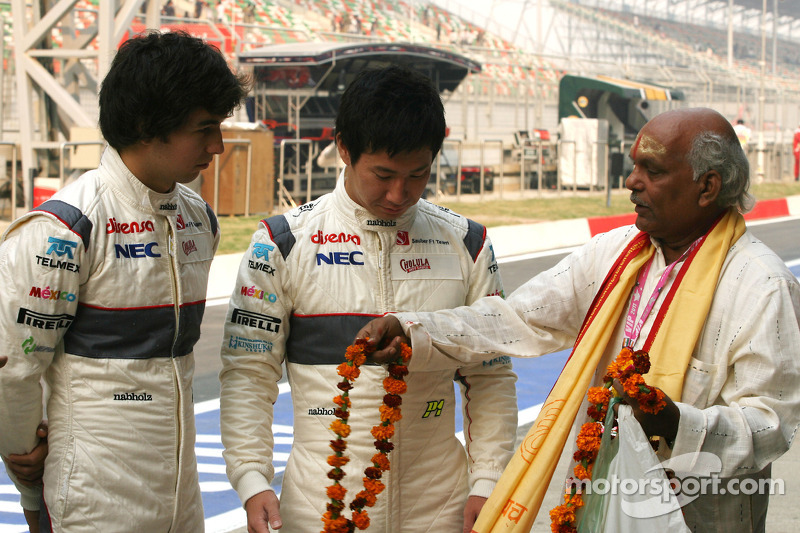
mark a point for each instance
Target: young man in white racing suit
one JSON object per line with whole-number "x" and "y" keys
{"x": 105, "y": 291}
{"x": 312, "y": 277}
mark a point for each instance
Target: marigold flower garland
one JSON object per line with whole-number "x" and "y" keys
{"x": 628, "y": 369}
{"x": 394, "y": 386}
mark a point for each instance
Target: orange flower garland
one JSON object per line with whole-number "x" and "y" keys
{"x": 394, "y": 386}
{"x": 628, "y": 369}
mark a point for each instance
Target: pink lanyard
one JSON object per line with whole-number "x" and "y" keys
{"x": 632, "y": 327}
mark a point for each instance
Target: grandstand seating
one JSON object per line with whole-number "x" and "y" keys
{"x": 507, "y": 71}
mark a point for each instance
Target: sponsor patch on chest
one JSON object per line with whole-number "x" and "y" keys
{"x": 425, "y": 266}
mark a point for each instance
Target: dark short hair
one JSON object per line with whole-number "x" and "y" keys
{"x": 394, "y": 108}
{"x": 157, "y": 79}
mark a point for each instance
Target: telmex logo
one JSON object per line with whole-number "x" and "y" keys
{"x": 320, "y": 238}
{"x": 340, "y": 258}
{"x": 60, "y": 247}
{"x": 261, "y": 250}
{"x": 136, "y": 251}
{"x": 412, "y": 265}
{"x": 43, "y": 320}
{"x": 112, "y": 226}
{"x": 256, "y": 320}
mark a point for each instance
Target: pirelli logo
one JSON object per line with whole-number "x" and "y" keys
{"x": 434, "y": 408}
{"x": 43, "y": 320}
{"x": 256, "y": 320}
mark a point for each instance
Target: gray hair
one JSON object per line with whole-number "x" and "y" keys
{"x": 712, "y": 151}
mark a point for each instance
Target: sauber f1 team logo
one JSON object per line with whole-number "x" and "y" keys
{"x": 402, "y": 238}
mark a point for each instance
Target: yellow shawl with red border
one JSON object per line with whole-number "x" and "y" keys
{"x": 516, "y": 499}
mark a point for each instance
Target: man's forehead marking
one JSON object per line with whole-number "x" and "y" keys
{"x": 648, "y": 145}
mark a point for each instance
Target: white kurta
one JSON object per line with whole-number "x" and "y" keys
{"x": 741, "y": 392}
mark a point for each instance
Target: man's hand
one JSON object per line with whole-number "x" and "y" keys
{"x": 386, "y": 334}
{"x": 471, "y": 511}
{"x": 664, "y": 424}
{"x": 32, "y": 518}
{"x": 263, "y": 509}
{"x": 29, "y": 468}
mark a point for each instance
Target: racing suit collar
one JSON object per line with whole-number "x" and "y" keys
{"x": 363, "y": 218}
{"x": 133, "y": 191}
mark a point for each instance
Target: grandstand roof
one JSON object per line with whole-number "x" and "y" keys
{"x": 789, "y": 8}
{"x": 446, "y": 68}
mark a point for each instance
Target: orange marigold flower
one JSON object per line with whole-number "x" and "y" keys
{"x": 405, "y": 352}
{"x": 368, "y": 497}
{"x": 394, "y": 386}
{"x": 383, "y": 432}
{"x": 380, "y": 461}
{"x": 575, "y": 500}
{"x": 631, "y": 385}
{"x": 361, "y": 519}
{"x": 390, "y": 414}
{"x": 562, "y": 514}
{"x": 589, "y": 437}
{"x": 336, "y": 492}
{"x": 373, "y": 486}
{"x": 348, "y": 372}
{"x": 598, "y": 395}
{"x": 582, "y": 472}
{"x": 355, "y": 353}
{"x": 340, "y": 428}
{"x": 342, "y": 401}
{"x": 338, "y": 461}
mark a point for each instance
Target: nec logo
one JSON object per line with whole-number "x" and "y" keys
{"x": 136, "y": 251}
{"x": 261, "y": 250}
{"x": 340, "y": 258}
{"x": 60, "y": 247}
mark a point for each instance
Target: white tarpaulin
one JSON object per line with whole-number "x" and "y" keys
{"x": 582, "y": 159}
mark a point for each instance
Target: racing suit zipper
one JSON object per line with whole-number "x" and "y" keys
{"x": 392, "y": 495}
{"x": 381, "y": 283}
{"x": 173, "y": 270}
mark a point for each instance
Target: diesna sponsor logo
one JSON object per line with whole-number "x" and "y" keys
{"x": 112, "y": 226}
{"x": 323, "y": 238}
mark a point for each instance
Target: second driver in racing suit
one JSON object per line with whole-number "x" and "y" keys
{"x": 312, "y": 277}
